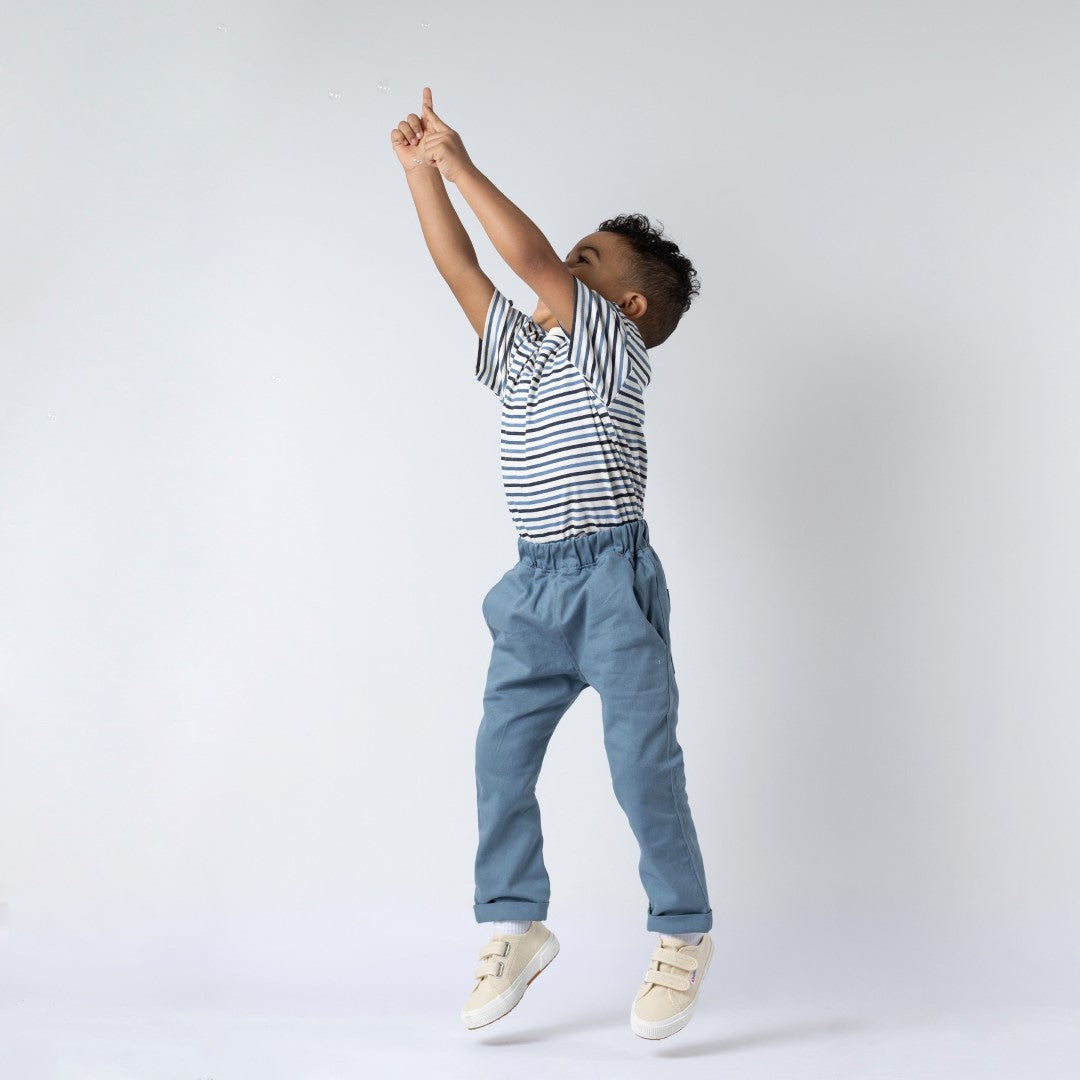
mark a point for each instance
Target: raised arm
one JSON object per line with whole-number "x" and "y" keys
{"x": 450, "y": 246}
{"x": 521, "y": 244}
{"x": 447, "y": 241}
{"x": 516, "y": 238}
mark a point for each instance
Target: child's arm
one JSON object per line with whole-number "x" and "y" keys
{"x": 446, "y": 238}
{"x": 450, "y": 246}
{"x": 517, "y": 239}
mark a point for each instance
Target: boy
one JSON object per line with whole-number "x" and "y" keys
{"x": 587, "y": 603}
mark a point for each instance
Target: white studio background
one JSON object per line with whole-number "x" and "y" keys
{"x": 251, "y": 499}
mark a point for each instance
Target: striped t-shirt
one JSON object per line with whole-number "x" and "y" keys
{"x": 573, "y": 414}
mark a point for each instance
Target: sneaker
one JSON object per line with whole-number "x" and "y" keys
{"x": 667, "y": 997}
{"x": 510, "y": 963}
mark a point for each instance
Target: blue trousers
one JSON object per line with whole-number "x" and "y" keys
{"x": 592, "y": 610}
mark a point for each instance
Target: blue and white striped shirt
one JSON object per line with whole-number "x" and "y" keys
{"x": 573, "y": 415}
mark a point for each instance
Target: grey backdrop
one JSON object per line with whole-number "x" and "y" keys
{"x": 251, "y": 496}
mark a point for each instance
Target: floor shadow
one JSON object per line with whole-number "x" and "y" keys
{"x": 567, "y": 1027}
{"x": 789, "y": 1033}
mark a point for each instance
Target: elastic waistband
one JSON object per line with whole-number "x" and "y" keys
{"x": 578, "y": 551}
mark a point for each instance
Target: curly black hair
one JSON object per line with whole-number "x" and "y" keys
{"x": 655, "y": 267}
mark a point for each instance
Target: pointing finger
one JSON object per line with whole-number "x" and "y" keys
{"x": 429, "y": 112}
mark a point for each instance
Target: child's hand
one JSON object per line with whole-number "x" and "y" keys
{"x": 441, "y": 145}
{"x": 407, "y": 139}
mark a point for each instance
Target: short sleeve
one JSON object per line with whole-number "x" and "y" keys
{"x": 605, "y": 346}
{"x": 503, "y": 328}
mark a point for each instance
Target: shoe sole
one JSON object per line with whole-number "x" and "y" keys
{"x": 661, "y": 1029}
{"x": 500, "y": 1006}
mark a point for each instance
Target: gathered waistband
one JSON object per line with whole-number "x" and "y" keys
{"x": 577, "y": 551}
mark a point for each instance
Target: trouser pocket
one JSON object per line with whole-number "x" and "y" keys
{"x": 650, "y": 591}
{"x": 652, "y": 594}
{"x": 494, "y": 605}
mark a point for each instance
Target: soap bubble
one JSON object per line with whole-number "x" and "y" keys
{"x": 335, "y": 93}
{"x": 425, "y": 26}
{"x": 51, "y": 415}
{"x": 276, "y": 378}
{"x": 383, "y": 87}
{"x": 221, "y": 26}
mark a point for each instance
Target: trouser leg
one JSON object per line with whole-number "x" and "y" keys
{"x": 528, "y": 690}
{"x": 628, "y": 660}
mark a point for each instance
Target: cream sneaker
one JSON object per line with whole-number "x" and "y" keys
{"x": 510, "y": 963}
{"x": 667, "y": 997}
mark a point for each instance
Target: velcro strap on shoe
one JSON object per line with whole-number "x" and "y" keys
{"x": 675, "y": 959}
{"x": 489, "y": 967}
{"x": 494, "y": 948}
{"x": 668, "y": 978}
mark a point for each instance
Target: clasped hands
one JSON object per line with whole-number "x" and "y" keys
{"x": 426, "y": 140}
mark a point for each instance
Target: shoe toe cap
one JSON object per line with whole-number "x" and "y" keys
{"x": 655, "y": 1003}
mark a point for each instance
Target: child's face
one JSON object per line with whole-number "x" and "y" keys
{"x": 595, "y": 260}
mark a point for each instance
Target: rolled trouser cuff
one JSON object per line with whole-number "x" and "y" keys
{"x": 507, "y": 910}
{"x": 680, "y": 924}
